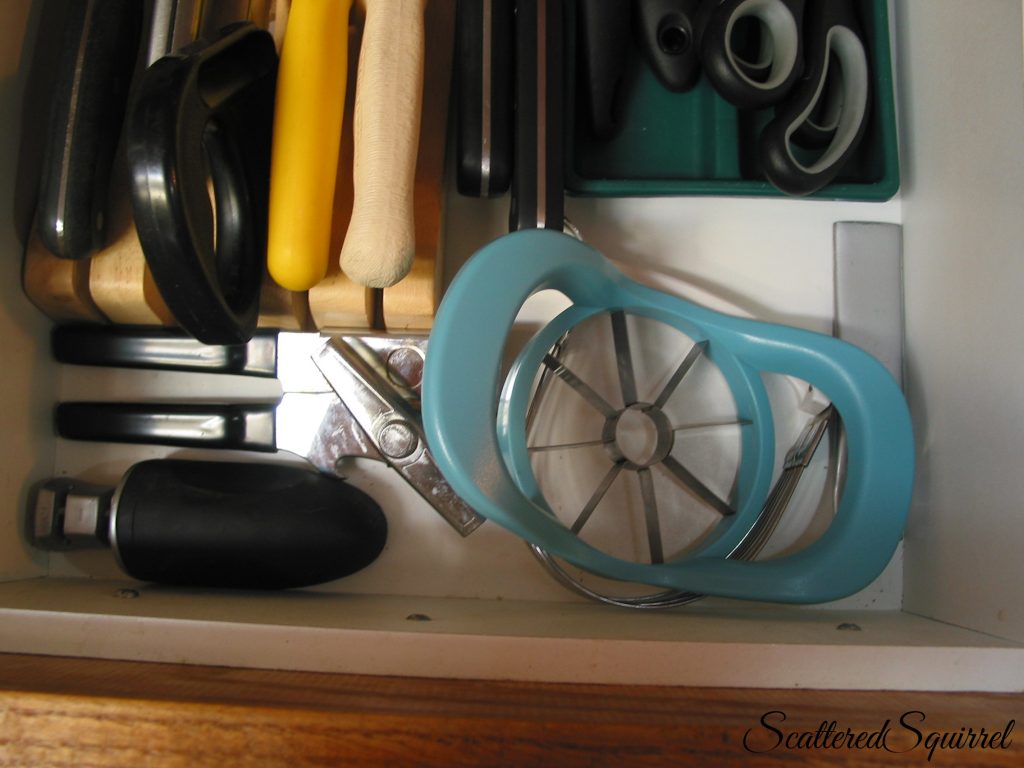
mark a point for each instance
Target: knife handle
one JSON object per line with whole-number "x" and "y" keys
{"x": 100, "y": 45}
{"x": 484, "y": 82}
{"x": 308, "y": 116}
{"x": 168, "y": 349}
{"x": 381, "y": 239}
{"x": 603, "y": 43}
{"x": 248, "y": 427}
{"x": 243, "y": 526}
{"x": 537, "y": 184}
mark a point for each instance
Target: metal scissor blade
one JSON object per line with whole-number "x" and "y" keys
{"x": 393, "y": 425}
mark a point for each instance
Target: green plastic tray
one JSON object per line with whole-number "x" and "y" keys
{"x": 696, "y": 143}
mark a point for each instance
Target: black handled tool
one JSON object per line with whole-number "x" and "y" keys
{"x": 202, "y": 113}
{"x": 343, "y": 398}
{"x": 214, "y": 524}
{"x": 810, "y": 62}
{"x": 603, "y": 55}
{"x": 100, "y": 44}
{"x": 484, "y": 95}
{"x": 667, "y": 34}
{"x": 537, "y": 184}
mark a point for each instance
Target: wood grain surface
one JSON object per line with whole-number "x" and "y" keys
{"x": 59, "y": 711}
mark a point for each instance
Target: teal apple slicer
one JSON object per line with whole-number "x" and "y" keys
{"x": 479, "y": 414}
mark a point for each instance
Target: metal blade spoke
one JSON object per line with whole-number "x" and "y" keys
{"x": 579, "y": 386}
{"x": 651, "y": 515}
{"x": 624, "y": 358}
{"x": 595, "y": 499}
{"x": 684, "y": 368}
{"x": 696, "y": 487}
{"x": 566, "y": 446}
{"x": 713, "y": 425}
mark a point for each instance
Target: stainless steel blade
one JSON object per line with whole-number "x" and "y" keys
{"x": 318, "y": 427}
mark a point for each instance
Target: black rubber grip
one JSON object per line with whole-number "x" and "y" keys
{"x": 739, "y": 78}
{"x": 242, "y": 526}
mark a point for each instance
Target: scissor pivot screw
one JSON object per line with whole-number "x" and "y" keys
{"x": 398, "y": 440}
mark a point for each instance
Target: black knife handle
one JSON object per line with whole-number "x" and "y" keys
{"x": 100, "y": 45}
{"x": 603, "y": 53}
{"x": 241, "y": 525}
{"x": 205, "y": 113}
{"x": 537, "y": 184}
{"x": 484, "y": 84}
{"x": 169, "y": 349}
{"x": 247, "y": 427}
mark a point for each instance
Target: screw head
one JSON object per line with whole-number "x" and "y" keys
{"x": 398, "y": 440}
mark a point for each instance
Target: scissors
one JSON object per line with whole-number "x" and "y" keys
{"x": 810, "y": 62}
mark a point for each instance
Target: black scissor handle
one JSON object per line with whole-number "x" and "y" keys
{"x": 828, "y": 109}
{"x": 205, "y": 113}
{"x": 666, "y": 32}
{"x": 761, "y": 71}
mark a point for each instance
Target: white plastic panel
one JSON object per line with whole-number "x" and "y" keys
{"x": 728, "y": 646}
{"x": 962, "y": 83}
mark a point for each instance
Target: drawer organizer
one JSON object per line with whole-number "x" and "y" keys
{"x": 943, "y": 615}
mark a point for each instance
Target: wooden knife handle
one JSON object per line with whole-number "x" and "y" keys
{"x": 380, "y": 242}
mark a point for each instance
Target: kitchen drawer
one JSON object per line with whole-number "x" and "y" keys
{"x": 948, "y": 613}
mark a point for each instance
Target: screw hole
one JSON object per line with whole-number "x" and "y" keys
{"x": 673, "y": 39}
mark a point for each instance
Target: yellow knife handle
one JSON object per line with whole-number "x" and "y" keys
{"x": 308, "y": 112}
{"x": 380, "y": 242}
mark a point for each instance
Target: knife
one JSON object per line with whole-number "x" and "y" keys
{"x": 344, "y": 398}
{"x": 99, "y": 48}
{"x": 305, "y": 420}
{"x": 484, "y": 82}
{"x": 537, "y": 184}
{"x": 380, "y": 243}
{"x": 308, "y": 114}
